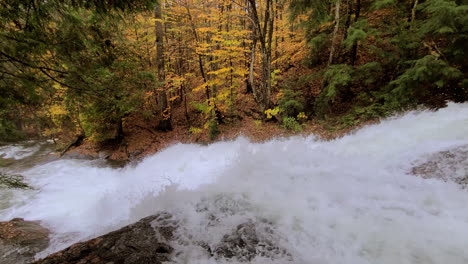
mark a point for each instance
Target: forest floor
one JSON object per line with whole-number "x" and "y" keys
{"x": 141, "y": 139}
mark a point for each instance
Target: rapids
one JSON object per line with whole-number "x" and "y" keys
{"x": 350, "y": 200}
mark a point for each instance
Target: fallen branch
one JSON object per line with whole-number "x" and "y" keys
{"x": 78, "y": 140}
{"x": 146, "y": 128}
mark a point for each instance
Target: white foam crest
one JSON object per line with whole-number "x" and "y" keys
{"x": 349, "y": 200}
{"x": 18, "y": 151}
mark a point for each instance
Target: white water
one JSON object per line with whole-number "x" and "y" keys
{"x": 349, "y": 201}
{"x": 17, "y": 152}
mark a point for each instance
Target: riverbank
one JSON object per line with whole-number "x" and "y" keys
{"x": 141, "y": 140}
{"x": 284, "y": 196}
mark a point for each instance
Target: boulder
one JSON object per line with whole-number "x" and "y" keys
{"x": 21, "y": 240}
{"x": 449, "y": 165}
{"x": 143, "y": 242}
{"x": 249, "y": 240}
{"x": 149, "y": 241}
{"x": 12, "y": 181}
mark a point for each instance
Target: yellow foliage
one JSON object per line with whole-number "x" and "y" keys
{"x": 220, "y": 71}
{"x": 272, "y": 112}
{"x": 57, "y": 110}
{"x": 173, "y": 98}
{"x": 301, "y": 116}
{"x": 195, "y": 130}
{"x": 206, "y": 29}
{"x": 200, "y": 87}
{"x": 279, "y": 95}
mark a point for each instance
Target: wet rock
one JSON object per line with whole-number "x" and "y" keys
{"x": 104, "y": 154}
{"x": 249, "y": 240}
{"x": 146, "y": 241}
{"x": 450, "y": 165}
{"x": 255, "y": 237}
{"x": 134, "y": 154}
{"x": 21, "y": 240}
{"x": 72, "y": 154}
{"x": 6, "y": 162}
{"x": 150, "y": 239}
{"x": 12, "y": 181}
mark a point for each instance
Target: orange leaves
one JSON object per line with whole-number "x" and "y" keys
{"x": 221, "y": 71}
{"x": 157, "y": 20}
{"x": 203, "y": 48}
{"x": 208, "y": 48}
{"x": 200, "y": 87}
{"x": 206, "y": 30}
{"x": 173, "y": 98}
{"x": 208, "y": 83}
{"x": 175, "y": 79}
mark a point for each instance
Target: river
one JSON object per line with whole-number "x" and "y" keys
{"x": 351, "y": 200}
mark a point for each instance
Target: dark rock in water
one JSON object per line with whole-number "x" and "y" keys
{"x": 255, "y": 237}
{"x": 450, "y": 165}
{"x": 143, "y": 242}
{"x": 249, "y": 240}
{"x": 103, "y": 157}
{"x": 12, "y": 181}
{"x": 149, "y": 241}
{"x": 6, "y": 162}
{"x": 78, "y": 155}
{"x": 21, "y": 240}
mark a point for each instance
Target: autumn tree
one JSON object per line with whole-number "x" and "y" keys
{"x": 91, "y": 66}
{"x": 165, "y": 110}
{"x": 262, "y": 25}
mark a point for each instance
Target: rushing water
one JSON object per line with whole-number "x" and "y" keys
{"x": 349, "y": 200}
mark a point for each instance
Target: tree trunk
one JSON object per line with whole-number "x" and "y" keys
{"x": 165, "y": 121}
{"x": 200, "y": 57}
{"x": 264, "y": 34}
{"x": 278, "y": 16}
{"x": 120, "y": 133}
{"x": 349, "y": 8}
{"x": 335, "y": 32}
{"x": 413, "y": 11}
{"x": 265, "y": 85}
{"x": 267, "y": 64}
{"x": 357, "y": 13}
{"x": 250, "y": 81}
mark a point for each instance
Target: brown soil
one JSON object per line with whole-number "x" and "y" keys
{"x": 21, "y": 240}
{"x": 142, "y": 140}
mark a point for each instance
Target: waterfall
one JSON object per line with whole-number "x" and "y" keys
{"x": 350, "y": 200}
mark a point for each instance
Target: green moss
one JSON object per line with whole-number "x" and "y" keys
{"x": 13, "y": 181}
{"x": 291, "y": 124}
{"x": 213, "y": 129}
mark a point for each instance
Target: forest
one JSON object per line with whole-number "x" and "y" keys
{"x": 233, "y": 131}
{"x": 101, "y": 69}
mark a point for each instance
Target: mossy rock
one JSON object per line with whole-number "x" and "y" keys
{"x": 6, "y": 162}
{"x": 13, "y": 181}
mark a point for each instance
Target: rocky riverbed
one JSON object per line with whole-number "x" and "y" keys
{"x": 21, "y": 240}
{"x": 152, "y": 239}
{"x": 388, "y": 193}
{"x": 449, "y": 165}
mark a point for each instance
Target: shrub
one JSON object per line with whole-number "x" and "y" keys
{"x": 291, "y": 123}
{"x": 213, "y": 129}
{"x": 291, "y": 102}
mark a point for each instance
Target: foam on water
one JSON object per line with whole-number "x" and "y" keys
{"x": 349, "y": 200}
{"x": 18, "y": 151}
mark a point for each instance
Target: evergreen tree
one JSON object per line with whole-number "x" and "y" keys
{"x": 50, "y": 44}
